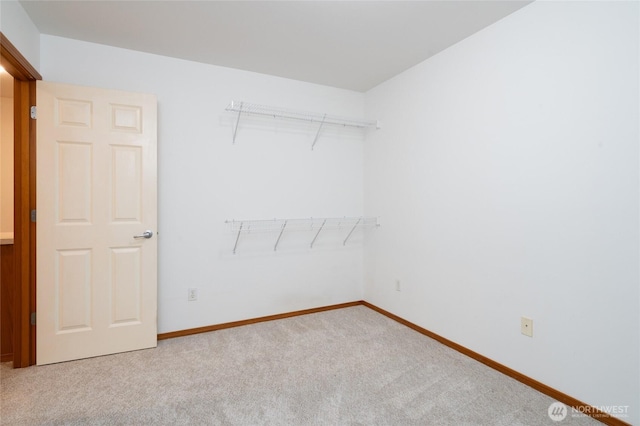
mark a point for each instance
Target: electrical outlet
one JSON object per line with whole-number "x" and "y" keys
{"x": 192, "y": 295}
{"x": 526, "y": 326}
{"x": 397, "y": 285}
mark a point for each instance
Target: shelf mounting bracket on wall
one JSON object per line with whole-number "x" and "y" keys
{"x": 351, "y": 232}
{"x": 318, "y": 233}
{"x": 284, "y": 225}
{"x": 235, "y": 129}
{"x": 318, "y": 132}
{"x": 237, "y": 238}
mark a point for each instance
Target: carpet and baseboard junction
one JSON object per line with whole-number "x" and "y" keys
{"x": 350, "y": 364}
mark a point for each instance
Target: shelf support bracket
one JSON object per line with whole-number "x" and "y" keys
{"x": 235, "y": 246}
{"x": 318, "y": 233}
{"x": 235, "y": 129}
{"x": 318, "y": 132}
{"x": 351, "y": 232}
{"x": 279, "y": 236}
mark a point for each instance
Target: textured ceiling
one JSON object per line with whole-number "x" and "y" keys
{"x": 349, "y": 44}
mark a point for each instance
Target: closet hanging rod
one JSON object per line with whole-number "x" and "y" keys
{"x": 276, "y": 112}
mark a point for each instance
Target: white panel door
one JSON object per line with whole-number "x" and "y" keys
{"x": 96, "y": 190}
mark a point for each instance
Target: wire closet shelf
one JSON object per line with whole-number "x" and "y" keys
{"x": 314, "y": 117}
{"x": 310, "y": 224}
{"x": 242, "y": 107}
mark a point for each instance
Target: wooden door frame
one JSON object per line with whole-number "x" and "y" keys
{"x": 25, "y": 76}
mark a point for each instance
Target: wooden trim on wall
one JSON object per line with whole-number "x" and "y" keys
{"x": 22, "y": 228}
{"x": 254, "y": 320}
{"x": 25, "y": 76}
{"x": 540, "y": 387}
{"x": 16, "y": 64}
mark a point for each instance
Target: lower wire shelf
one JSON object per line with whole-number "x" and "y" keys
{"x": 311, "y": 224}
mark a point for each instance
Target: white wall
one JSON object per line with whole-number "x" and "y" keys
{"x": 16, "y": 25}
{"x": 506, "y": 178}
{"x": 204, "y": 179}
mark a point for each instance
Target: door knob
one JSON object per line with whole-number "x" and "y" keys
{"x": 146, "y": 234}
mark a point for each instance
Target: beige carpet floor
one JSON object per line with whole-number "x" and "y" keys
{"x": 350, "y": 366}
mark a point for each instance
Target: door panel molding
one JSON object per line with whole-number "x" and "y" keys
{"x": 97, "y": 191}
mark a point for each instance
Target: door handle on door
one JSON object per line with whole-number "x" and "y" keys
{"x": 146, "y": 234}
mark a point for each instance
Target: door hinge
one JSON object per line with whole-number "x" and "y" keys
{"x": 33, "y": 215}
{"x": 33, "y": 112}
{"x": 33, "y": 318}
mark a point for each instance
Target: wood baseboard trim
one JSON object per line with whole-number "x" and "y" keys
{"x": 540, "y": 387}
{"x": 6, "y": 357}
{"x": 215, "y": 327}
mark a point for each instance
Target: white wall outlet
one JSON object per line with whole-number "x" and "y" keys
{"x": 398, "y": 285}
{"x": 526, "y": 326}
{"x": 192, "y": 295}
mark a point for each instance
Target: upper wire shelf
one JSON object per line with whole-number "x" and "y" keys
{"x": 314, "y": 117}
{"x": 277, "y": 112}
{"x": 310, "y": 224}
